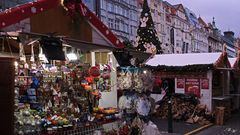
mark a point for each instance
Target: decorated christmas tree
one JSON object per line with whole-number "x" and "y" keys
{"x": 147, "y": 39}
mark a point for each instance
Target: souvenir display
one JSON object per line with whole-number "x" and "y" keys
{"x": 135, "y": 79}
{"x": 56, "y": 97}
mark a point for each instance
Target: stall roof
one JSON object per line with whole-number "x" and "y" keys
{"x": 19, "y": 13}
{"x": 184, "y": 59}
{"x": 232, "y": 61}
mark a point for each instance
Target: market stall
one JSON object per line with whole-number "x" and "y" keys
{"x": 65, "y": 79}
{"x": 234, "y": 82}
{"x": 206, "y": 75}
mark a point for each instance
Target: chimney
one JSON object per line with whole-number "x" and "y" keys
{"x": 229, "y": 34}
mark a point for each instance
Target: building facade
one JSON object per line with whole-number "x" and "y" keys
{"x": 230, "y": 41}
{"x": 121, "y": 16}
{"x": 5, "y": 4}
{"x": 179, "y": 29}
{"x": 177, "y": 38}
{"x": 215, "y": 43}
{"x": 199, "y": 36}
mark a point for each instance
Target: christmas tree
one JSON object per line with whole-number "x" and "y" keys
{"x": 147, "y": 39}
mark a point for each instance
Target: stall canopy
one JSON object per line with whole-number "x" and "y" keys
{"x": 184, "y": 59}
{"x": 86, "y": 27}
{"x": 235, "y": 61}
{"x": 186, "y": 63}
{"x": 232, "y": 61}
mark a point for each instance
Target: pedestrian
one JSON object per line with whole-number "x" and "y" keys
{"x": 152, "y": 103}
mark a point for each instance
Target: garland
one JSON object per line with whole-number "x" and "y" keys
{"x": 180, "y": 69}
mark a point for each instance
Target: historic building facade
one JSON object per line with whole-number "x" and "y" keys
{"x": 230, "y": 41}
{"x": 215, "y": 43}
{"x": 198, "y": 33}
{"x": 4, "y": 4}
{"x": 121, "y": 16}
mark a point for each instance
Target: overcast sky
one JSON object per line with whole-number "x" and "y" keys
{"x": 226, "y": 12}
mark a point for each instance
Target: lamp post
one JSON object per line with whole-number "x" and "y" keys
{"x": 170, "y": 120}
{"x": 168, "y": 89}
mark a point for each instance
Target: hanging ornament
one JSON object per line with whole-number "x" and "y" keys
{"x": 94, "y": 71}
{"x": 26, "y": 66}
{"x": 42, "y": 56}
{"x": 32, "y": 55}
{"x": 21, "y": 53}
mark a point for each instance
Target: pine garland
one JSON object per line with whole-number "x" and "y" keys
{"x": 181, "y": 69}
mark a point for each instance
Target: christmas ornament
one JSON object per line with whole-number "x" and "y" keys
{"x": 94, "y": 71}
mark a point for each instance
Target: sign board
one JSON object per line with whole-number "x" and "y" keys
{"x": 180, "y": 83}
{"x": 192, "y": 86}
{"x": 204, "y": 83}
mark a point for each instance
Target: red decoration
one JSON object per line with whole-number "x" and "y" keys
{"x": 16, "y": 14}
{"x": 180, "y": 83}
{"x": 157, "y": 81}
{"x": 89, "y": 79}
{"x": 204, "y": 83}
{"x": 94, "y": 71}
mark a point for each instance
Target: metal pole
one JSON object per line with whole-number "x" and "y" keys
{"x": 170, "y": 121}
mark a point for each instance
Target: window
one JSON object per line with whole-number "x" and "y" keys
{"x": 120, "y": 10}
{"x": 103, "y": 4}
{"x": 110, "y": 23}
{"x": 116, "y": 9}
{"x": 110, "y": 7}
{"x": 117, "y": 24}
{"x": 123, "y": 12}
{"x": 121, "y": 25}
{"x": 126, "y": 28}
{"x": 126, "y": 13}
{"x": 104, "y": 19}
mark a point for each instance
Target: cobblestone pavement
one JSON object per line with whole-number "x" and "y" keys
{"x": 231, "y": 127}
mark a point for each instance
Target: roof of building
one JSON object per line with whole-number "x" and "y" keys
{"x": 201, "y": 21}
{"x": 191, "y": 16}
{"x": 184, "y": 59}
{"x": 167, "y": 3}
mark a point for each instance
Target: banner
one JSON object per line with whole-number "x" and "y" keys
{"x": 204, "y": 83}
{"x": 180, "y": 83}
{"x": 192, "y": 86}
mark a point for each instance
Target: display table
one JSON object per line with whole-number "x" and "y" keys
{"x": 81, "y": 130}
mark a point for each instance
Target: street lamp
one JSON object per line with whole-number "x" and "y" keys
{"x": 170, "y": 120}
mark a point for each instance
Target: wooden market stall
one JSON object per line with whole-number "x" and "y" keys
{"x": 234, "y": 82}
{"x": 206, "y": 75}
{"x": 76, "y": 27}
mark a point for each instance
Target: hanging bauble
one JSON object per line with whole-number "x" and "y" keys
{"x": 88, "y": 87}
{"x": 84, "y": 83}
{"x": 94, "y": 71}
{"x": 89, "y": 79}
